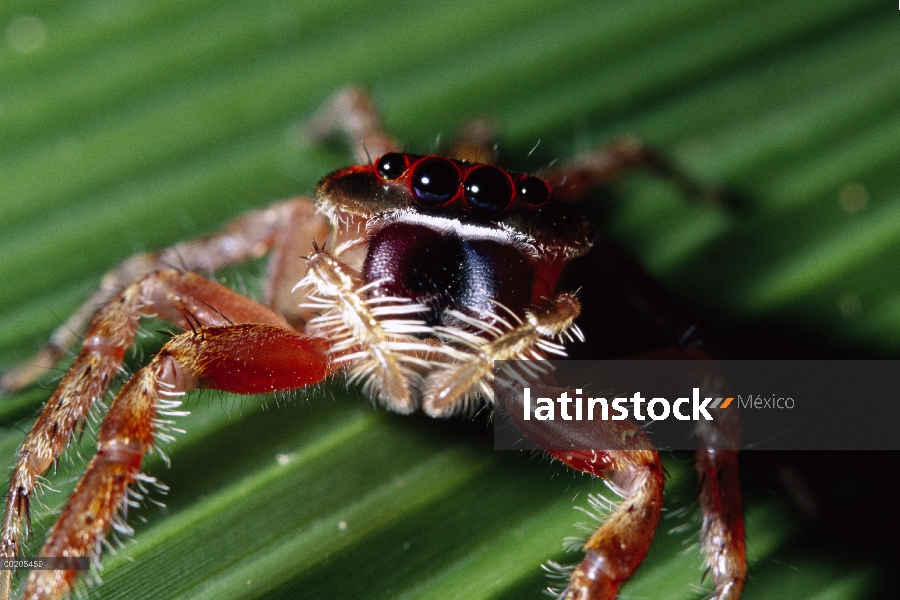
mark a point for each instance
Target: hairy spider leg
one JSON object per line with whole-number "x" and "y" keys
{"x": 612, "y": 160}
{"x": 352, "y": 113}
{"x": 716, "y": 462}
{"x": 246, "y": 358}
{"x": 618, "y": 546}
{"x": 184, "y": 299}
{"x": 722, "y": 532}
{"x": 285, "y": 229}
{"x": 635, "y": 473}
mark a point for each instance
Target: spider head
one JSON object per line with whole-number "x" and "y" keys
{"x": 456, "y": 235}
{"x": 482, "y": 195}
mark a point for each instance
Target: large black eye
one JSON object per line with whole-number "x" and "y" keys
{"x": 488, "y": 190}
{"x": 435, "y": 181}
{"x": 533, "y": 191}
{"x": 391, "y": 166}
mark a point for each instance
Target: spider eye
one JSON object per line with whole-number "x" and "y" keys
{"x": 435, "y": 181}
{"x": 533, "y": 191}
{"x": 391, "y": 166}
{"x": 488, "y": 190}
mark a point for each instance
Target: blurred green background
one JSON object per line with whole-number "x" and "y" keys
{"x": 127, "y": 125}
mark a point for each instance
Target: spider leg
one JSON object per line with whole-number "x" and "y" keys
{"x": 722, "y": 532}
{"x": 631, "y": 312}
{"x": 619, "y": 545}
{"x": 185, "y": 299}
{"x": 283, "y": 226}
{"x": 352, "y": 112}
{"x": 716, "y": 461}
{"x": 243, "y": 358}
{"x": 620, "y": 453}
{"x": 302, "y": 227}
{"x": 622, "y": 155}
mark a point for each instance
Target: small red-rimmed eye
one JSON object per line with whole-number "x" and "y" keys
{"x": 391, "y": 166}
{"x": 533, "y": 191}
{"x": 435, "y": 181}
{"x": 488, "y": 190}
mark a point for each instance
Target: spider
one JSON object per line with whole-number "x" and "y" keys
{"x": 410, "y": 274}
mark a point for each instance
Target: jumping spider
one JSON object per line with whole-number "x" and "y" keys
{"x": 411, "y": 275}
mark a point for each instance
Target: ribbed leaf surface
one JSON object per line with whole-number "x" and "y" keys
{"x": 127, "y": 126}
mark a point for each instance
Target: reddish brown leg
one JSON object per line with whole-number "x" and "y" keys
{"x": 622, "y": 155}
{"x": 185, "y": 299}
{"x": 244, "y": 358}
{"x": 618, "y": 547}
{"x": 351, "y": 111}
{"x": 284, "y": 226}
{"x": 634, "y": 471}
{"x": 722, "y": 533}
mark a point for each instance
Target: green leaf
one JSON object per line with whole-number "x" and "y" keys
{"x": 127, "y": 126}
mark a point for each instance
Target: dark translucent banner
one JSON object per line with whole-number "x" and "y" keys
{"x": 685, "y": 404}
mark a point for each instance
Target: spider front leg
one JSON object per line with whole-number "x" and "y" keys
{"x": 618, "y": 546}
{"x": 185, "y": 299}
{"x": 352, "y": 112}
{"x": 287, "y": 228}
{"x": 243, "y": 358}
{"x": 618, "y": 452}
